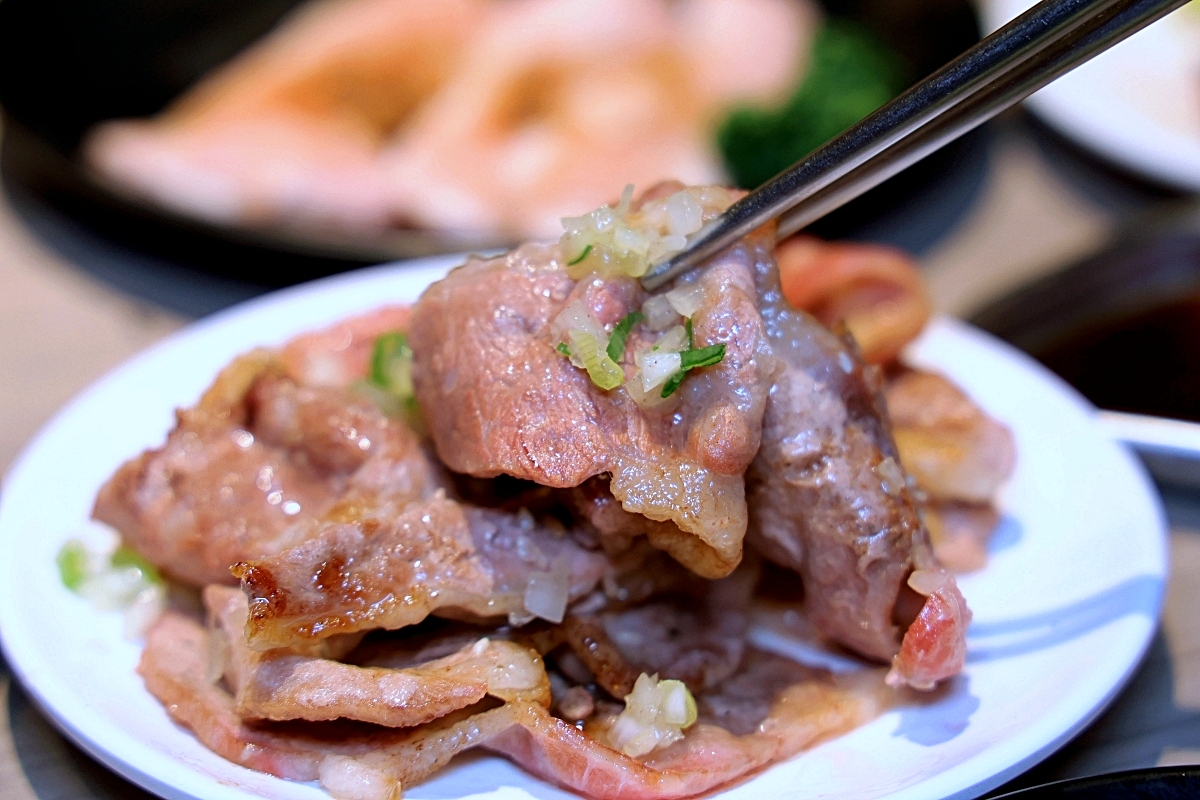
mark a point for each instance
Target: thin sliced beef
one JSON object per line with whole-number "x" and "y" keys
{"x": 500, "y": 399}
{"x": 829, "y": 496}
{"x": 352, "y": 761}
{"x": 249, "y": 469}
{"x": 389, "y": 567}
{"x": 934, "y": 646}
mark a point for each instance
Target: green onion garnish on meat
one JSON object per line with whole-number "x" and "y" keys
{"x": 586, "y": 252}
{"x": 389, "y": 384}
{"x": 616, "y": 342}
{"x": 704, "y": 357}
{"x": 691, "y": 359}
{"x": 564, "y": 349}
{"x": 391, "y": 364}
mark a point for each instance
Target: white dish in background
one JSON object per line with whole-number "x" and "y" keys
{"x": 1137, "y": 104}
{"x": 1063, "y": 612}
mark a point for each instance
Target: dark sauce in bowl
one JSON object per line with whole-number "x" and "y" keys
{"x": 1146, "y": 363}
{"x": 1123, "y": 325}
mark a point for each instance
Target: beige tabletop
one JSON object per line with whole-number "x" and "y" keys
{"x": 61, "y": 328}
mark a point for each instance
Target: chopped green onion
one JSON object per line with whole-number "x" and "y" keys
{"x": 687, "y": 327}
{"x": 704, "y": 357}
{"x": 616, "y": 342}
{"x": 391, "y": 364}
{"x": 673, "y": 383}
{"x": 127, "y": 557}
{"x": 586, "y": 252}
{"x": 603, "y": 371}
{"x": 72, "y": 563}
{"x": 693, "y": 359}
{"x": 564, "y": 348}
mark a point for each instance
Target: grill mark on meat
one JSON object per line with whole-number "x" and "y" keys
{"x": 500, "y": 400}
{"x": 391, "y": 567}
{"x": 767, "y": 710}
{"x": 824, "y": 502}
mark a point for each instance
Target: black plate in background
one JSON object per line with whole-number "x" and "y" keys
{"x": 1123, "y": 325}
{"x": 1162, "y": 783}
{"x": 68, "y": 64}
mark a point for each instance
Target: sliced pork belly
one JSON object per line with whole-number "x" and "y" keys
{"x": 290, "y": 130}
{"x": 831, "y": 500}
{"x": 249, "y": 469}
{"x": 499, "y": 398}
{"x": 960, "y": 533}
{"x": 351, "y": 760}
{"x": 954, "y": 450}
{"x": 389, "y": 567}
{"x": 284, "y": 684}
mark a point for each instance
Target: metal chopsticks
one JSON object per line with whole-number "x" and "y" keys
{"x": 1047, "y": 41}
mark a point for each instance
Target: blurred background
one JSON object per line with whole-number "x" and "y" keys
{"x": 163, "y": 160}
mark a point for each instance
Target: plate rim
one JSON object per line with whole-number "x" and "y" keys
{"x": 80, "y": 723}
{"x": 1144, "y": 147}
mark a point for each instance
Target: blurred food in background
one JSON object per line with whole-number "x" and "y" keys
{"x": 498, "y": 116}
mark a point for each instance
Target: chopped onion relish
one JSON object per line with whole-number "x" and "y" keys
{"x": 590, "y": 347}
{"x": 656, "y": 714}
{"x": 617, "y": 240}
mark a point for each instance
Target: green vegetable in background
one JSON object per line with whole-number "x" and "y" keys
{"x": 851, "y": 74}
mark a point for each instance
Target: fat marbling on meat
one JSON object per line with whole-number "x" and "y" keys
{"x": 499, "y": 399}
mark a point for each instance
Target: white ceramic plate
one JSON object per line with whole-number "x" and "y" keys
{"x": 1063, "y": 612}
{"x": 1138, "y": 104}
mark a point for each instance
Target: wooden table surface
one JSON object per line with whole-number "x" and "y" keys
{"x": 62, "y": 326}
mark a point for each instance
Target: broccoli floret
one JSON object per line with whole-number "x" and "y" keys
{"x": 851, "y": 74}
